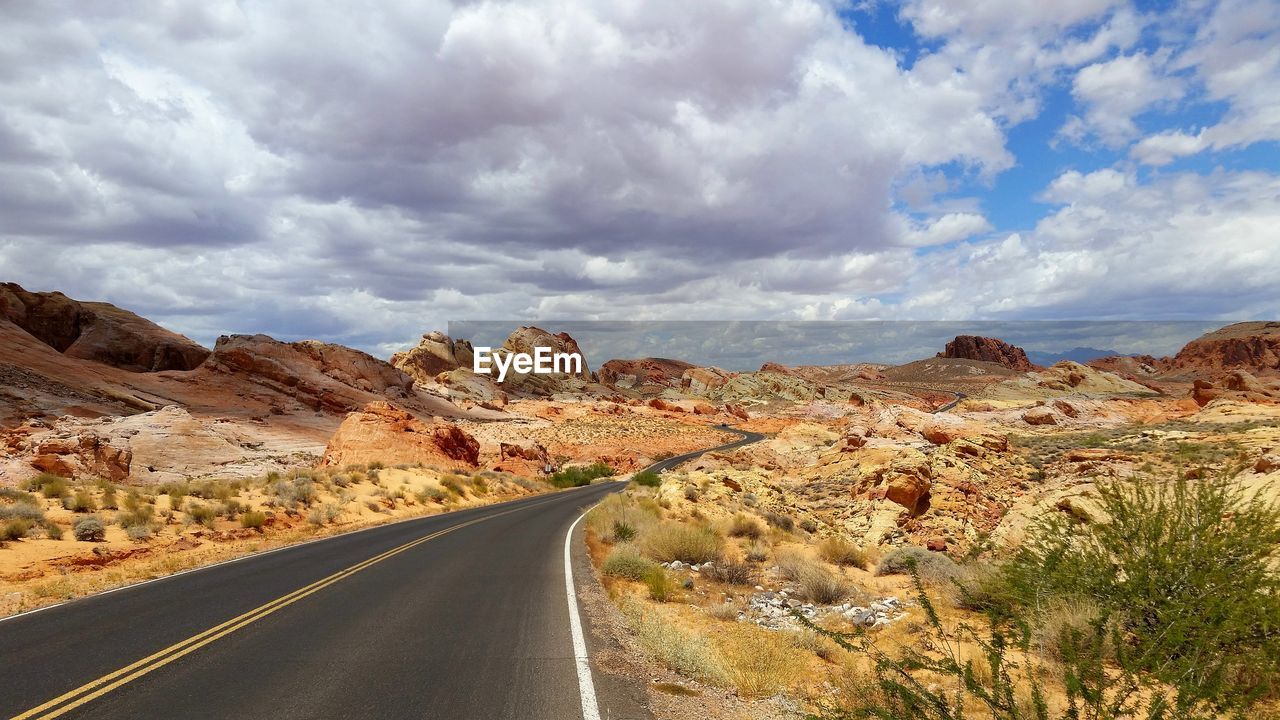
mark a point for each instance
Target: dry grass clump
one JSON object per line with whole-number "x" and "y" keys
{"x": 838, "y": 551}
{"x": 686, "y": 653}
{"x": 731, "y": 573}
{"x": 725, "y": 611}
{"x": 619, "y": 519}
{"x": 669, "y": 541}
{"x": 746, "y": 526}
{"x": 758, "y": 662}
{"x": 934, "y": 568}
{"x": 758, "y": 552}
{"x": 624, "y": 561}
{"x": 661, "y": 586}
{"x": 816, "y": 584}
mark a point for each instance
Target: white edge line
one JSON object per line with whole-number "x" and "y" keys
{"x": 260, "y": 553}
{"x": 586, "y": 688}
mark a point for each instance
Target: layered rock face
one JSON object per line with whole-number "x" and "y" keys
{"x": 527, "y": 338}
{"x": 98, "y": 332}
{"x": 643, "y": 371}
{"x": 976, "y": 347}
{"x": 436, "y": 353}
{"x": 1250, "y": 346}
{"x": 383, "y": 432}
{"x": 319, "y": 375}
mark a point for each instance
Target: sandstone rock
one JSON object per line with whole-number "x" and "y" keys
{"x": 1040, "y": 416}
{"x": 386, "y": 433}
{"x": 737, "y": 411}
{"x": 975, "y": 347}
{"x": 936, "y": 544}
{"x": 436, "y": 353}
{"x": 1251, "y": 346}
{"x": 527, "y": 460}
{"x": 703, "y": 380}
{"x": 1066, "y": 408}
{"x": 643, "y": 371}
{"x": 703, "y": 409}
{"x": 528, "y": 337}
{"x": 99, "y": 332}
{"x": 83, "y": 455}
{"x": 1267, "y": 463}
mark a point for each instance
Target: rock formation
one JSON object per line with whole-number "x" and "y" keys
{"x": 1250, "y": 346}
{"x": 436, "y": 353}
{"x": 976, "y": 347}
{"x": 98, "y": 331}
{"x": 383, "y": 432}
{"x": 643, "y": 371}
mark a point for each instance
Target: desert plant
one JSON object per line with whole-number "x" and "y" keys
{"x": 50, "y": 485}
{"x": 453, "y": 484}
{"x": 816, "y": 583}
{"x": 838, "y": 551}
{"x": 579, "y": 476}
{"x": 783, "y": 522}
{"x": 52, "y": 530}
{"x": 746, "y": 526}
{"x": 253, "y": 520}
{"x": 758, "y": 552}
{"x": 201, "y": 514}
{"x": 933, "y": 567}
{"x": 1186, "y": 570}
{"x": 89, "y": 529}
{"x": 647, "y": 478}
{"x": 731, "y": 573}
{"x": 623, "y": 531}
{"x": 79, "y": 502}
{"x": 660, "y": 585}
{"x": 625, "y": 562}
{"x": 15, "y": 529}
{"x": 673, "y": 541}
{"x": 138, "y": 533}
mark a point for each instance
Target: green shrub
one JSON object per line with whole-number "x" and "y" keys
{"x": 50, "y": 486}
{"x": 579, "y": 476}
{"x": 647, "y": 478}
{"x": 625, "y": 562}
{"x": 673, "y": 541}
{"x": 201, "y": 513}
{"x": 933, "y": 567}
{"x": 453, "y": 484}
{"x": 53, "y": 530}
{"x": 15, "y": 529}
{"x": 1187, "y": 572}
{"x": 839, "y": 551}
{"x": 623, "y": 531}
{"x": 254, "y": 520}
{"x": 89, "y": 529}
{"x": 80, "y": 502}
{"x": 660, "y": 585}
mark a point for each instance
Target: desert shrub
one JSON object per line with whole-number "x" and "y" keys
{"x": 177, "y": 497}
{"x": 623, "y": 531}
{"x": 52, "y": 530}
{"x": 625, "y": 562}
{"x": 673, "y": 541}
{"x": 136, "y": 514}
{"x": 15, "y": 529}
{"x": 758, "y": 662}
{"x": 816, "y": 584}
{"x": 22, "y": 510}
{"x": 138, "y": 532}
{"x": 377, "y": 465}
{"x": 80, "y": 502}
{"x": 16, "y": 496}
{"x": 1186, "y": 571}
{"x": 726, "y": 611}
{"x": 750, "y": 500}
{"x": 291, "y": 492}
{"x": 430, "y": 495}
{"x": 809, "y": 525}
{"x": 49, "y": 485}
{"x": 89, "y": 529}
{"x": 109, "y": 501}
{"x": 453, "y": 484}
{"x": 838, "y": 551}
{"x": 201, "y": 513}
{"x": 780, "y": 521}
{"x": 660, "y": 585}
{"x": 691, "y": 493}
{"x": 758, "y": 552}
{"x": 686, "y": 653}
{"x": 579, "y": 476}
{"x": 746, "y": 526}
{"x": 479, "y": 485}
{"x": 621, "y": 518}
{"x": 253, "y": 519}
{"x": 647, "y": 478}
{"x": 933, "y": 567}
{"x": 731, "y": 573}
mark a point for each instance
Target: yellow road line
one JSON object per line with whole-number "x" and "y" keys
{"x": 173, "y": 652}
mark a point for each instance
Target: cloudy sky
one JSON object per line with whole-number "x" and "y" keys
{"x": 365, "y": 172}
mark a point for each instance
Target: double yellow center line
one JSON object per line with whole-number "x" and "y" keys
{"x": 97, "y": 688}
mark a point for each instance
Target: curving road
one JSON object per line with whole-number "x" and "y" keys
{"x": 462, "y": 615}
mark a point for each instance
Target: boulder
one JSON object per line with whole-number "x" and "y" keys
{"x": 1267, "y": 463}
{"x": 1040, "y": 416}
{"x": 703, "y": 380}
{"x": 736, "y": 411}
{"x": 386, "y": 433}
{"x": 435, "y": 353}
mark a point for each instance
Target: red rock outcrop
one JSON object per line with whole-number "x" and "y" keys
{"x": 98, "y": 332}
{"x": 1250, "y": 346}
{"x": 527, "y": 460}
{"x": 643, "y": 371}
{"x": 528, "y": 337}
{"x": 436, "y": 353}
{"x": 383, "y": 432}
{"x": 1238, "y": 385}
{"x": 701, "y": 380}
{"x": 976, "y": 347}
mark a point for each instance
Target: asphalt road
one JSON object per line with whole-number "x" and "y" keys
{"x": 462, "y": 615}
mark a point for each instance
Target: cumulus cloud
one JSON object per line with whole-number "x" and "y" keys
{"x": 363, "y": 173}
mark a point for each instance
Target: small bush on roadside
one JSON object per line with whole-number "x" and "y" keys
{"x": 89, "y": 529}
{"x": 253, "y": 520}
{"x": 839, "y": 551}
{"x": 647, "y": 478}
{"x": 623, "y": 531}
{"x": 431, "y": 495}
{"x": 731, "y": 573}
{"x": 660, "y": 585}
{"x": 625, "y": 562}
{"x": 746, "y": 526}
{"x": 580, "y": 476}
{"x": 673, "y": 541}
{"x": 453, "y": 484}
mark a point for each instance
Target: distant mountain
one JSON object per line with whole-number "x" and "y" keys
{"x": 1081, "y": 355}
